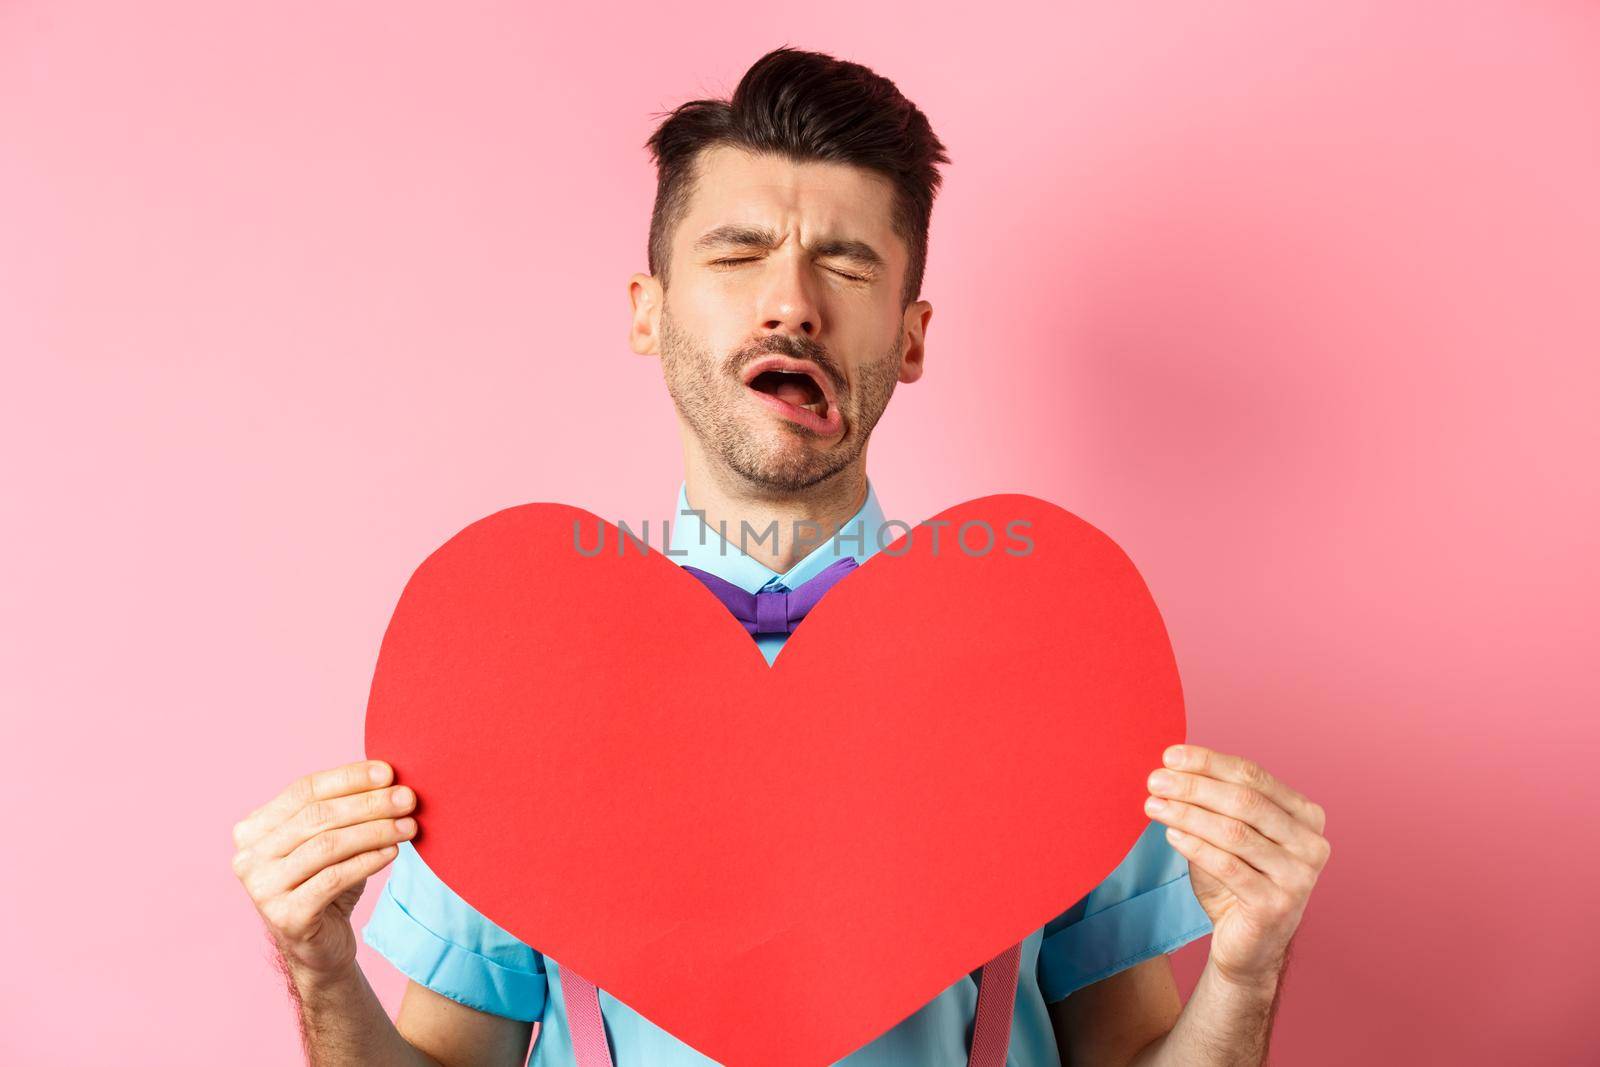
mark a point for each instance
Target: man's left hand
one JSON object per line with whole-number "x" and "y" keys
{"x": 1255, "y": 849}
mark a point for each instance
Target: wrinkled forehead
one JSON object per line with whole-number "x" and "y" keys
{"x": 818, "y": 200}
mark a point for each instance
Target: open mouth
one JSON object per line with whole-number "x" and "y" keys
{"x": 796, "y": 390}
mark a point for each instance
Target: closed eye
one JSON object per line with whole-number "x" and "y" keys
{"x": 749, "y": 259}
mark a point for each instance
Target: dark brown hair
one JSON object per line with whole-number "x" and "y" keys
{"x": 805, "y": 106}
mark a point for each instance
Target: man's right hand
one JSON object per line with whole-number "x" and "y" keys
{"x": 305, "y": 856}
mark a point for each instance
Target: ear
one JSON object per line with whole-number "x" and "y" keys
{"x": 645, "y": 295}
{"x": 914, "y": 325}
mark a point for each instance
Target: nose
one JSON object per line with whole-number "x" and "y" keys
{"x": 789, "y": 302}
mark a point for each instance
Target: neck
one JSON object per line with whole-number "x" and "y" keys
{"x": 783, "y": 527}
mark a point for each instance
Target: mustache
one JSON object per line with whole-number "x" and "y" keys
{"x": 805, "y": 350}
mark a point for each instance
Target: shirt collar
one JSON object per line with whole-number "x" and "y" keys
{"x": 697, "y": 544}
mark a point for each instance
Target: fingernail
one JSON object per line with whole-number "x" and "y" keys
{"x": 402, "y": 797}
{"x": 1160, "y": 781}
{"x": 1173, "y": 757}
{"x": 1154, "y": 804}
{"x": 406, "y": 825}
{"x": 376, "y": 772}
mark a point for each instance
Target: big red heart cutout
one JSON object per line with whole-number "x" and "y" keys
{"x": 776, "y": 864}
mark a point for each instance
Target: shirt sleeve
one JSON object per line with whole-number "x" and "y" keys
{"x": 1144, "y": 908}
{"x": 439, "y": 940}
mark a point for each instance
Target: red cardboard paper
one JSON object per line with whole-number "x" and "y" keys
{"x": 776, "y": 865}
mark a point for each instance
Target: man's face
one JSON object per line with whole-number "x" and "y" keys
{"x": 793, "y": 264}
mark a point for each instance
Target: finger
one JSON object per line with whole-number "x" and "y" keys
{"x": 323, "y": 785}
{"x": 1241, "y": 771}
{"x": 1240, "y": 802}
{"x": 320, "y": 816}
{"x": 295, "y": 913}
{"x": 330, "y": 848}
{"x": 1246, "y": 883}
{"x": 1239, "y": 838}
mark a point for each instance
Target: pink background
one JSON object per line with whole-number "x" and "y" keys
{"x": 1298, "y": 303}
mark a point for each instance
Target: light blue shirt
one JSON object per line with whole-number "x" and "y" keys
{"x": 1145, "y": 907}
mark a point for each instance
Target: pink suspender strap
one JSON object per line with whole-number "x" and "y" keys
{"x": 997, "y": 994}
{"x": 589, "y": 1044}
{"x": 991, "y": 1029}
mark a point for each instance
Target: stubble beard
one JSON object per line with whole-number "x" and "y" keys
{"x": 772, "y": 454}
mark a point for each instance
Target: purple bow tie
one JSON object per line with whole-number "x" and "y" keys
{"x": 777, "y": 612}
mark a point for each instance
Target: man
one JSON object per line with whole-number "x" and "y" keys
{"x": 786, "y": 254}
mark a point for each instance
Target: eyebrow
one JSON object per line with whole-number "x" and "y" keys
{"x": 739, "y": 236}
